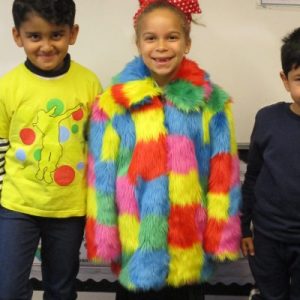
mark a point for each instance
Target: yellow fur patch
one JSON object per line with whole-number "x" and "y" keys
{"x": 185, "y": 265}
{"x": 218, "y": 205}
{"x": 109, "y": 106}
{"x": 91, "y": 203}
{"x": 184, "y": 189}
{"x": 228, "y": 112}
{"x": 206, "y": 117}
{"x": 149, "y": 124}
{"x": 129, "y": 229}
{"x": 137, "y": 90}
{"x": 111, "y": 142}
{"x": 227, "y": 256}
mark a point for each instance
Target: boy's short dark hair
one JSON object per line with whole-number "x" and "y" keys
{"x": 58, "y": 12}
{"x": 290, "y": 51}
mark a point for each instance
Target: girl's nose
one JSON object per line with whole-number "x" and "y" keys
{"x": 161, "y": 45}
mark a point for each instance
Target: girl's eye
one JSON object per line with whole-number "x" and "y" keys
{"x": 149, "y": 38}
{"x": 173, "y": 38}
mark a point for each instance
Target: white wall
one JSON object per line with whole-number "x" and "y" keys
{"x": 239, "y": 45}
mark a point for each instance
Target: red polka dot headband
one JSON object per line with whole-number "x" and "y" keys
{"x": 188, "y": 7}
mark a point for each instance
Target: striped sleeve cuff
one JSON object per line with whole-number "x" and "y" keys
{"x": 4, "y": 144}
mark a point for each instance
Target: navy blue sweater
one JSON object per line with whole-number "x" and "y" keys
{"x": 271, "y": 190}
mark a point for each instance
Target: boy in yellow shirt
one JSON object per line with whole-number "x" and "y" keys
{"x": 44, "y": 107}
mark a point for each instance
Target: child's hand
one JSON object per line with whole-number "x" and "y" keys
{"x": 248, "y": 246}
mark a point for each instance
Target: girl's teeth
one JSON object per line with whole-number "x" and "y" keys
{"x": 162, "y": 59}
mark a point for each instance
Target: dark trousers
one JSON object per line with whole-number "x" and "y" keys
{"x": 276, "y": 268}
{"x": 60, "y": 244}
{"x": 193, "y": 292}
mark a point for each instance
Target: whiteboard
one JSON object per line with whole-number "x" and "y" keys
{"x": 238, "y": 43}
{"x": 281, "y": 2}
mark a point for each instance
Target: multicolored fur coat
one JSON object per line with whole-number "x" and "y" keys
{"x": 164, "y": 190}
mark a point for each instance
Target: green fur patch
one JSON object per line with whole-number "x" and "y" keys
{"x": 217, "y": 99}
{"x": 106, "y": 210}
{"x": 150, "y": 241}
{"x": 186, "y": 96}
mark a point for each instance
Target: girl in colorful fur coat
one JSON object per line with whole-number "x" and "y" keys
{"x": 164, "y": 187}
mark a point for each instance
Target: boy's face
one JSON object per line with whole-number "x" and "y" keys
{"x": 292, "y": 85}
{"x": 44, "y": 43}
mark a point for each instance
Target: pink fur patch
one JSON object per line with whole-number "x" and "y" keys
{"x": 125, "y": 196}
{"x": 98, "y": 115}
{"x": 181, "y": 154}
{"x": 108, "y": 242}
{"x": 207, "y": 89}
{"x": 91, "y": 175}
{"x": 235, "y": 175}
{"x": 231, "y": 235}
{"x": 200, "y": 219}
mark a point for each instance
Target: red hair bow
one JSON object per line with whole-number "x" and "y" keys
{"x": 188, "y": 7}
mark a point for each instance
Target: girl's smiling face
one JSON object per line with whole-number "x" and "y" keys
{"x": 162, "y": 43}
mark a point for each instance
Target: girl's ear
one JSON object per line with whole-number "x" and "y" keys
{"x": 17, "y": 37}
{"x": 73, "y": 34}
{"x": 137, "y": 45}
{"x": 188, "y": 46}
{"x": 285, "y": 81}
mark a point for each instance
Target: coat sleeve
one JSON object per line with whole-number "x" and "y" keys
{"x": 102, "y": 234}
{"x": 223, "y": 231}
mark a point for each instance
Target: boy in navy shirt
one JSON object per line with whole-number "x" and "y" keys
{"x": 271, "y": 190}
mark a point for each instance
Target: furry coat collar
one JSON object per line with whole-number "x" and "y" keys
{"x": 190, "y": 90}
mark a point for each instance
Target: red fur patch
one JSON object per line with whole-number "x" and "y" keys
{"x": 154, "y": 104}
{"x": 182, "y": 226}
{"x": 212, "y": 235}
{"x": 190, "y": 71}
{"x": 119, "y": 96}
{"x": 90, "y": 238}
{"x": 116, "y": 268}
{"x": 219, "y": 179}
{"x": 149, "y": 160}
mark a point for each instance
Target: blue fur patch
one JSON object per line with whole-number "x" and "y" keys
{"x": 105, "y": 177}
{"x": 207, "y": 269}
{"x": 221, "y": 139}
{"x": 95, "y": 144}
{"x": 181, "y": 123}
{"x": 125, "y": 129}
{"x": 149, "y": 269}
{"x": 134, "y": 70}
{"x": 235, "y": 201}
{"x": 203, "y": 158}
{"x": 153, "y": 197}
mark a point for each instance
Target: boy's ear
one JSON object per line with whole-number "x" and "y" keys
{"x": 285, "y": 81}
{"x": 17, "y": 37}
{"x": 74, "y": 34}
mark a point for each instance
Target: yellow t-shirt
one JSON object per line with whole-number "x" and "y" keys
{"x": 45, "y": 121}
